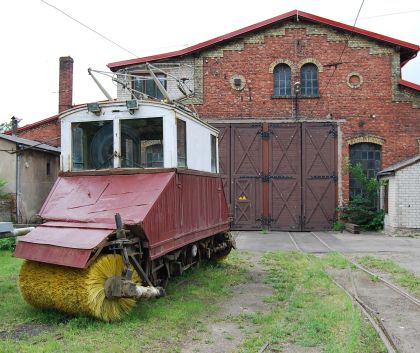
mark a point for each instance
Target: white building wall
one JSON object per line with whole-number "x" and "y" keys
{"x": 408, "y": 180}
{"x": 403, "y": 200}
{"x": 391, "y": 218}
{"x": 180, "y": 68}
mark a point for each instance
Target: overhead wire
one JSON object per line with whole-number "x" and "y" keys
{"x": 90, "y": 29}
{"x": 387, "y": 14}
{"x": 341, "y": 56}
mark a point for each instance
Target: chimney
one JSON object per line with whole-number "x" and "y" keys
{"x": 14, "y": 125}
{"x": 65, "y": 84}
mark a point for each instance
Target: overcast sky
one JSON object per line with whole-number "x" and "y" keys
{"x": 34, "y": 36}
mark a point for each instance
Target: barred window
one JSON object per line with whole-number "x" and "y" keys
{"x": 145, "y": 84}
{"x": 281, "y": 76}
{"x": 309, "y": 80}
{"x": 368, "y": 155}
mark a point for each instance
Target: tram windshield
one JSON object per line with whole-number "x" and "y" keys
{"x": 141, "y": 144}
{"x": 92, "y": 145}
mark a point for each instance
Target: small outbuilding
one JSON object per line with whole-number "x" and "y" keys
{"x": 400, "y": 197}
{"x": 29, "y": 169}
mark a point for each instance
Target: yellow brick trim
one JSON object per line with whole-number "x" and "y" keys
{"x": 366, "y": 139}
{"x": 281, "y": 61}
{"x": 310, "y": 61}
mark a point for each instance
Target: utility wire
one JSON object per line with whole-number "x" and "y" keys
{"x": 346, "y": 43}
{"x": 386, "y": 14}
{"x": 341, "y": 55}
{"x": 90, "y": 29}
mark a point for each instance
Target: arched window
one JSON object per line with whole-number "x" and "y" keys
{"x": 309, "y": 80}
{"x": 281, "y": 75}
{"x": 368, "y": 155}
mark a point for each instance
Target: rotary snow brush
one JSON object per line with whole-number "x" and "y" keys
{"x": 107, "y": 289}
{"x": 98, "y": 291}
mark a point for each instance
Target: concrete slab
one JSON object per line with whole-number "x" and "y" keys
{"x": 404, "y": 250}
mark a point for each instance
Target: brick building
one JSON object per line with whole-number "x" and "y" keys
{"x": 294, "y": 97}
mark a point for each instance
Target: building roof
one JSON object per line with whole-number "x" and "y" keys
{"x": 51, "y": 119}
{"x": 407, "y": 50}
{"x": 409, "y": 84}
{"x": 400, "y": 165}
{"x": 30, "y": 143}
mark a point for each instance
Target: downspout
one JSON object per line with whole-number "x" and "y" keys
{"x": 18, "y": 184}
{"x": 17, "y": 172}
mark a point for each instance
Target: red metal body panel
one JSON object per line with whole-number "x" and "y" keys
{"x": 173, "y": 208}
{"x": 191, "y": 207}
{"x": 74, "y": 238}
{"x": 77, "y": 258}
{"x": 67, "y": 246}
{"x": 96, "y": 198}
{"x": 411, "y": 48}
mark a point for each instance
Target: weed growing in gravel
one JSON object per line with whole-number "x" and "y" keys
{"x": 400, "y": 275}
{"x": 312, "y": 311}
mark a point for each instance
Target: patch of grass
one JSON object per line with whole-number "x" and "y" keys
{"x": 153, "y": 326}
{"x": 7, "y": 243}
{"x": 312, "y": 311}
{"x": 401, "y": 276}
{"x": 335, "y": 260}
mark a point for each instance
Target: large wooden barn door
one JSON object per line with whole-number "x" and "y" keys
{"x": 279, "y": 176}
{"x": 246, "y": 169}
{"x": 319, "y": 175}
{"x": 285, "y": 174}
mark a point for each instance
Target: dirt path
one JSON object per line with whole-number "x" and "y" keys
{"x": 400, "y": 317}
{"x": 223, "y": 332}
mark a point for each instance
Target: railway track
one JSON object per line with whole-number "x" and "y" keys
{"x": 370, "y": 313}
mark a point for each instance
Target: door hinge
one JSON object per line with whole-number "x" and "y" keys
{"x": 282, "y": 177}
{"x": 267, "y": 178}
{"x": 264, "y": 134}
{"x": 333, "y": 131}
{"x": 324, "y": 177}
{"x": 264, "y": 178}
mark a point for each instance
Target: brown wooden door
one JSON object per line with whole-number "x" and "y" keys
{"x": 319, "y": 175}
{"x": 285, "y": 176}
{"x": 301, "y": 176}
{"x": 246, "y": 182}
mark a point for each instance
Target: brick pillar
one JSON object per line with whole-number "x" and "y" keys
{"x": 65, "y": 84}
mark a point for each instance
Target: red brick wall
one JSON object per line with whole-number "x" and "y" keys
{"x": 371, "y": 109}
{"x": 48, "y": 133}
{"x": 65, "y": 93}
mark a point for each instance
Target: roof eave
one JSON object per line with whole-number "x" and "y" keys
{"x": 409, "y": 84}
{"x": 409, "y": 52}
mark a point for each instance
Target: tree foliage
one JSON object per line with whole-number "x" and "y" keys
{"x": 3, "y": 195}
{"x": 7, "y": 126}
{"x": 362, "y": 209}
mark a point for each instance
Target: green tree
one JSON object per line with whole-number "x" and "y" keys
{"x": 7, "y": 126}
{"x": 363, "y": 209}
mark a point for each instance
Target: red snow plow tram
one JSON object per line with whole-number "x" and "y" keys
{"x": 138, "y": 200}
